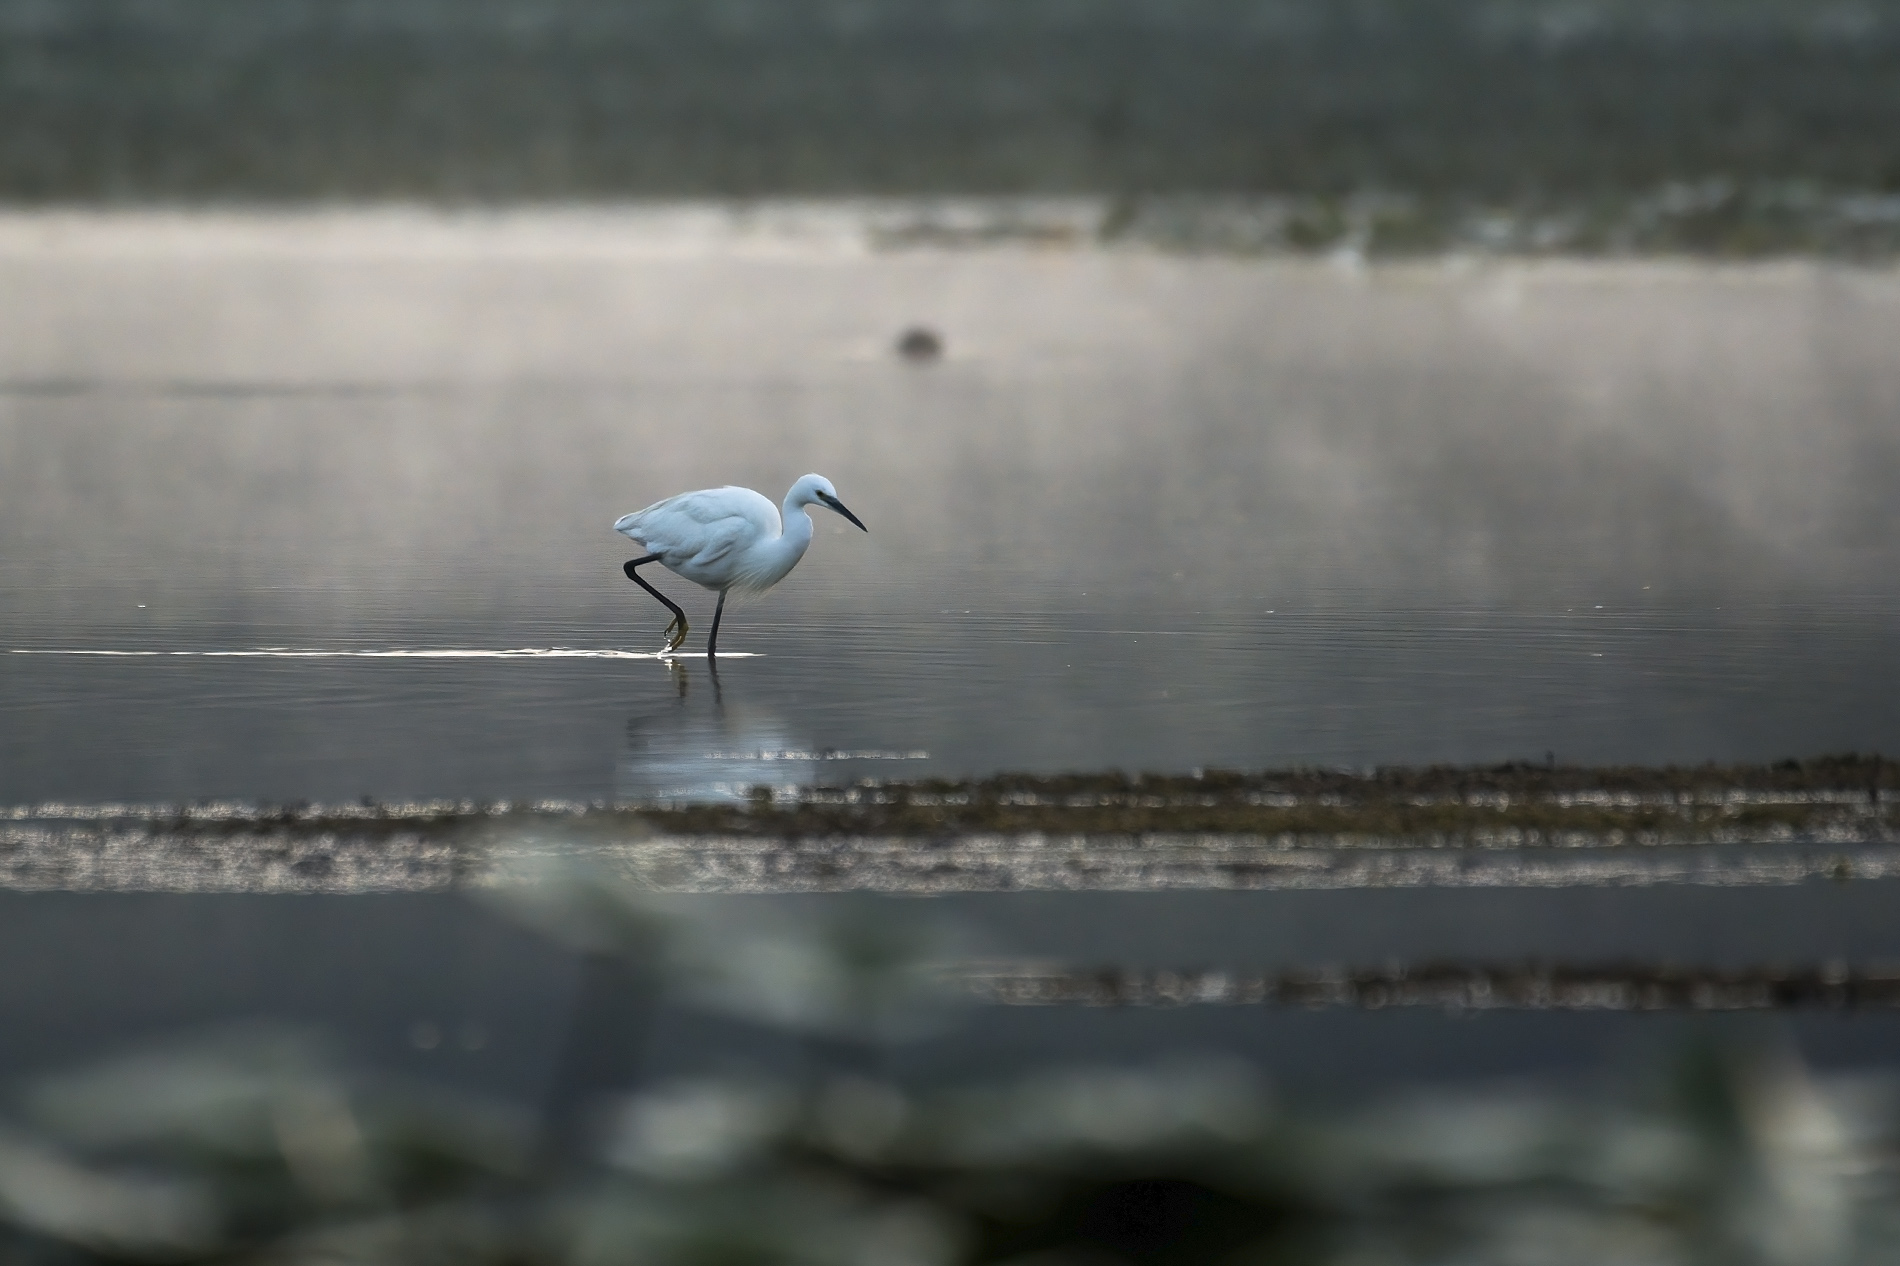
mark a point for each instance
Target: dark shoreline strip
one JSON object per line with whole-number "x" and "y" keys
{"x": 1514, "y": 825}
{"x": 1451, "y": 987}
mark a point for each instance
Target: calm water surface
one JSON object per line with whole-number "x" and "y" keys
{"x": 1148, "y": 512}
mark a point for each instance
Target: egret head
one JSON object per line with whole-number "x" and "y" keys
{"x": 817, "y": 490}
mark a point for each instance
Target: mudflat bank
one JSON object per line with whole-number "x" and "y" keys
{"x": 1506, "y": 826}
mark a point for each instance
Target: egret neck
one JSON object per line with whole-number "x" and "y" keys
{"x": 777, "y": 558}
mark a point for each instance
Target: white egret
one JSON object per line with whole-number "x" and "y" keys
{"x": 725, "y": 539}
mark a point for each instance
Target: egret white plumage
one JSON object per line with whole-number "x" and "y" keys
{"x": 724, "y": 539}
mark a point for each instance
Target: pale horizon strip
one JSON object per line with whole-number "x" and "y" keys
{"x": 285, "y": 652}
{"x": 288, "y": 855}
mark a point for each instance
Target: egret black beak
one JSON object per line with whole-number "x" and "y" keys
{"x": 838, "y": 505}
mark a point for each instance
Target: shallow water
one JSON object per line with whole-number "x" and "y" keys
{"x": 316, "y": 507}
{"x": 1148, "y": 511}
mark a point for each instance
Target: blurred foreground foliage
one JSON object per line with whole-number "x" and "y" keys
{"x": 1728, "y": 126}
{"x": 258, "y": 1146}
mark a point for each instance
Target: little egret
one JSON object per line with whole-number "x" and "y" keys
{"x": 725, "y": 539}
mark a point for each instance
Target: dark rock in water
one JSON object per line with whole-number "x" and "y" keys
{"x": 920, "y": 343}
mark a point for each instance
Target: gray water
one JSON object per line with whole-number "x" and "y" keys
{"x": 1149, "y": 511}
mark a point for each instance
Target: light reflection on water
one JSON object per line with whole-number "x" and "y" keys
{"x": 684, "y": 751}
{"x": 1023, "y": 691}
{"x": 1146, "y": 512}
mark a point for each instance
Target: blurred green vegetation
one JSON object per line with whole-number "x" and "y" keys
{"x": 1577, "y": 118}
{"x": 264, "y": 1145}
{"x": 259, "y": 1145}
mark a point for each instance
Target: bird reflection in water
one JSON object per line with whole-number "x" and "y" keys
{"x": 700, "y": 749}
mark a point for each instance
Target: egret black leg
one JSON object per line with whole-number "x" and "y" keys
{"x": 679, "y": 616}
{"x": 712, "y": 642}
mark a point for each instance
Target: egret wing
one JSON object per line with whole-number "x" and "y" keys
{"x": 697, "y": 531}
